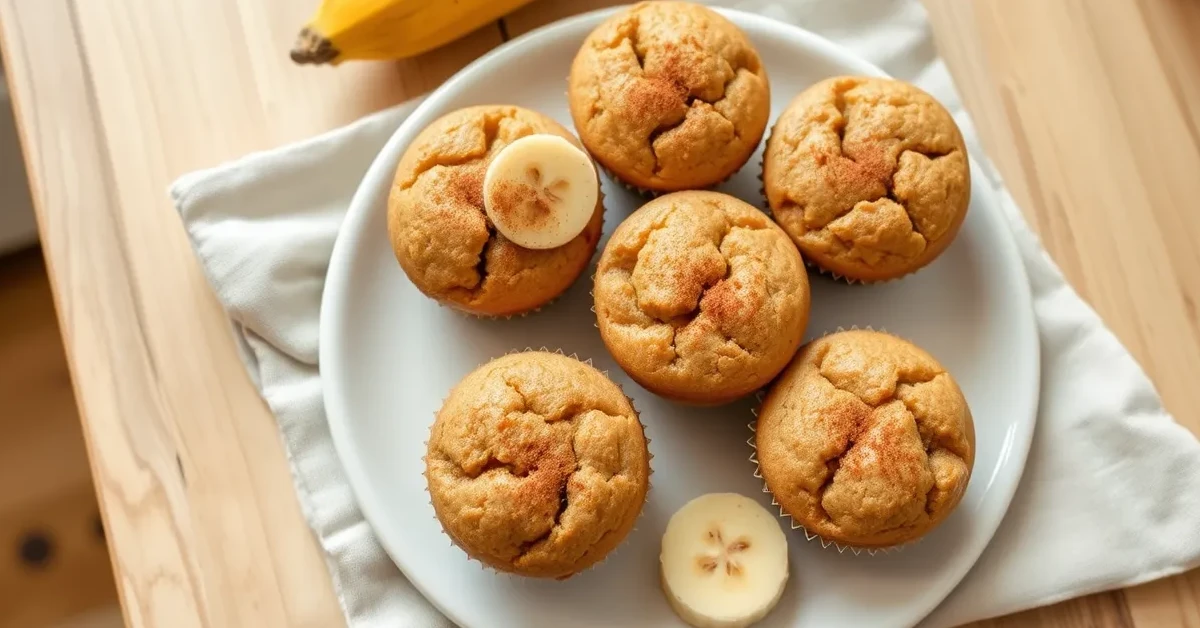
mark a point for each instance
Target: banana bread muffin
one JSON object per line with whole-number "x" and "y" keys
{"x": 868, "y": 175}
{"x": 537, "y": 465}
{"x": 669, "y": 96}
{"x": 441, "y": 234}
{"x": 700, "y": 297}
{"x": 865, "y": 440}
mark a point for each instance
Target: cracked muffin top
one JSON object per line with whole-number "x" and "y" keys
{"x": 537, "y": 465}
{"x": 869, "y": 176}
{"x": 442, "y": 236}
{"x": 865, "y": 440}
{"x": 700, "y": 297}
{"x": 669, "y": 96}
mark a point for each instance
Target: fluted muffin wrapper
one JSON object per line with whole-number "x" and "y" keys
{"x": 762, "y": 182}
{"x": 592, "y": 309}
{"x": 649, "y": 194}
{"x": 496, "y": 317}
{"x": 649, "y": 475}
{"x": 850, "y": 280}
{"x": 645, "y": 193}
{"x": 825, "y": 543}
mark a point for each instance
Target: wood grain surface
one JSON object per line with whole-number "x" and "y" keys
{"x": 1091, "y": 111}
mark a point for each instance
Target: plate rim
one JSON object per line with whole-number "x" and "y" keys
{"x": 381, "y": 172}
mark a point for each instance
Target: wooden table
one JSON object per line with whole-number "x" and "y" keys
{"x": 1091, "y": 109}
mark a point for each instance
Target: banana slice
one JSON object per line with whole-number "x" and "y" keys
{"x": 540, "y": 191}
{"x": 724, "y": 561}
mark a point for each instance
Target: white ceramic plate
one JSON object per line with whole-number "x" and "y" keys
{"x": 389, "y": 356}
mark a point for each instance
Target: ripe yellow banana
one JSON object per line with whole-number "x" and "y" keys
{"x": 344, "y": 30}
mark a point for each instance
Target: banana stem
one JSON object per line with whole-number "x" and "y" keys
{"x": 312, "y": 48}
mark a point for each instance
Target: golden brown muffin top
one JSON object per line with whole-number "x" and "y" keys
{"x": 866, "y": 440}
{"x": 441, "y": 234}
{"x": 669, "y": 96}
{"x": 537, "y": 464}
{"x": 869, "y": 176}
{"x": 700, "y": 297}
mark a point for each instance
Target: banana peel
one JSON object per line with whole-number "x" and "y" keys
{"x": 345, "y": 30}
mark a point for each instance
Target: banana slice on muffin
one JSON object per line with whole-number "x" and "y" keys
{"x": 541, "y": 191}
{"x": 440, "y": 229}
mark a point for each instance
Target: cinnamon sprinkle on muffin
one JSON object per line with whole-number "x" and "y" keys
{"x": 669, "y": 96}
{"x": 865, "y": 440}
{"x": 869, "y": 176}
{"x": 700, "y": 297}
{"x": 537, "y": 465}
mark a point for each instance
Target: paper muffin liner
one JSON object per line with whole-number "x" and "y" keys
{"x": 762, "y": 168}
{"x": 796, "y": 525}
{"x": 592, "y": 307}
{"x": 835, "y": 276}
{"x": 762, "y": 189}
{"x": 850, "y": 280}
{"x": 649, "y": 194}
{"x": 645, "y": 193}
{"x": 649, "y": 474}
{"x": 495, "y": 317}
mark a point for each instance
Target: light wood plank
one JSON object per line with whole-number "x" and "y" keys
{"x": 1077, "y": 126}
{"x": 198, "y": 496}
{"x": 69, "y": 171}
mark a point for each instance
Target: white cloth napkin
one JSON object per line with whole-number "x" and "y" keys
{"x": 1110, "y": 495}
